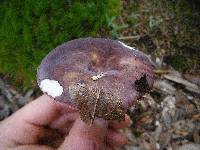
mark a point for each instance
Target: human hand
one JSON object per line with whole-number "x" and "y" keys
{"x": 45, "y": 124}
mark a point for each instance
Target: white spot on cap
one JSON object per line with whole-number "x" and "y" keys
{"x": 158, "y": 61}
{"x": 127, "y": 46}
{"x": 51, "y": 87}
{"x": 94, "y": 78}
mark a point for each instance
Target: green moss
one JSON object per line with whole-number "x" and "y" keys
{"x": 178, "y": 62}
{"x": 30, "y": 29}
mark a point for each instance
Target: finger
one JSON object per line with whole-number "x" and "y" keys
{"x": 51, "y": 138}
{"x": 115, "y": 139}
{"x": 86, "y": 137}
{"x": 64, "y": 122}
{"x": 41, "y": 111}
{"x": 33, "y": 147}
{"x": 108, "y": 147}
{"x": 120, "y": 125}
{"x": 21, "y": 134}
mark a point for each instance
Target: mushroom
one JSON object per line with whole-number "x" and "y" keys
{"x": 100, "y": 77}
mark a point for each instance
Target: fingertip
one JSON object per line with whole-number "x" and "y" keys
{"x": 116, "y": 139}
{"x": 119, "y": 125}
{"x": 41, "y": 111}
{"x": 85, "y": 136}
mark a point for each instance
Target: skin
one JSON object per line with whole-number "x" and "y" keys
{"x": 45, "y": 124}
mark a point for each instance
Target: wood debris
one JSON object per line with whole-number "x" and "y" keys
{"x": 169, "y": 116}
{"x": 11, "y": 100}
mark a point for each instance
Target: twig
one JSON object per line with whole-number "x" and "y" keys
{"x": 188, "y": 85}
{"x": 160, "y": 71}
{"x": 5, "y": 91}
{"x": 129, "y": 37}
{"x": 24, "y": 99}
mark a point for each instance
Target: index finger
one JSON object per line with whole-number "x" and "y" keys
{"x": 119, "y": 125}
{"x": 41, "y": 111}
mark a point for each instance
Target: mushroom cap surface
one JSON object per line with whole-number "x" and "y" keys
{"x": 101, "y": 77}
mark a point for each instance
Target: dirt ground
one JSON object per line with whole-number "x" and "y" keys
{"x": 167, "y": 117}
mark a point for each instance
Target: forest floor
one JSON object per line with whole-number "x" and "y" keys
{"x": 168, "y": 32}
{"x": 169, "y": 116}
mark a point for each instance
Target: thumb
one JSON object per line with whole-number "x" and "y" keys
{"x": 86, "y": 137}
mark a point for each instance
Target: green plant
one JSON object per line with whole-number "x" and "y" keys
{"x": 133, "y": 18}
{"x": 30, "y": 29}
{"x": 114, "y": 27}
{"x": 179, "y": 62}
{"x": 154, "y": 22}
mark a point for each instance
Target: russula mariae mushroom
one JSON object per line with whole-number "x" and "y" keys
{"x": 101, "y": 77}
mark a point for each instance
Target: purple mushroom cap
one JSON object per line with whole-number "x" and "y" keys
{"x": 101, "y": 77}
